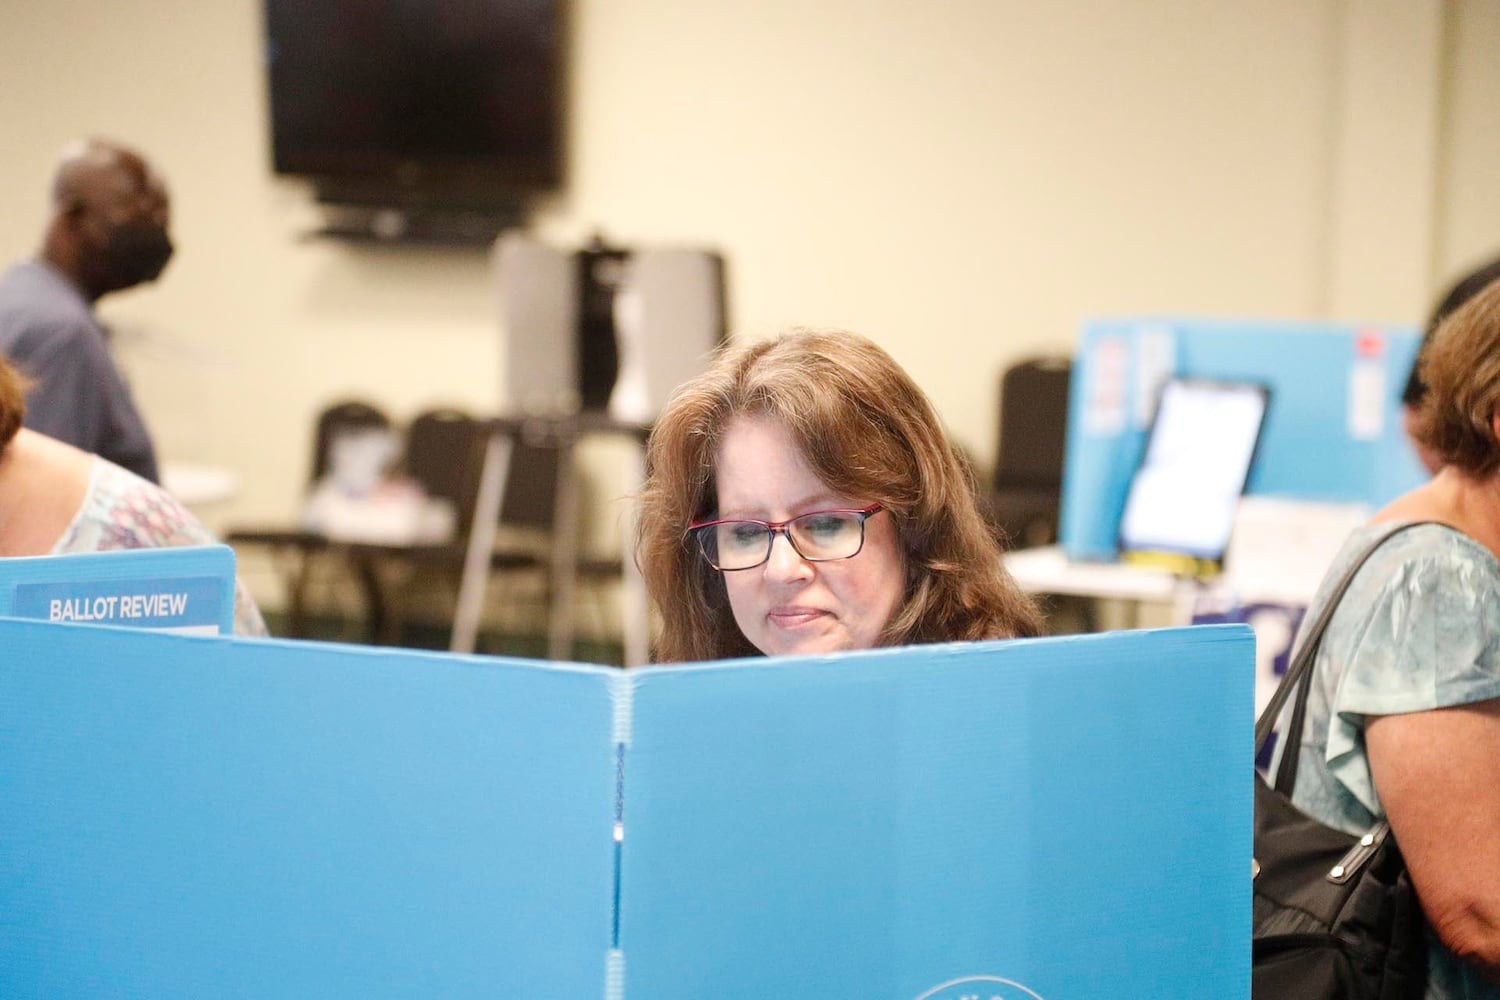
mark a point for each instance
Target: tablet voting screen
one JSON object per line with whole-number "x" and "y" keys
{"x": 1181, "y": 503}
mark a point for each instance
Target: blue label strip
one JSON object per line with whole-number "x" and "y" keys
{"x": 153, "y": 602}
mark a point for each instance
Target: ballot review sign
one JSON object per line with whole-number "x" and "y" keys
{"x": 192, "y": 605}
{"x": 186, "y": 590}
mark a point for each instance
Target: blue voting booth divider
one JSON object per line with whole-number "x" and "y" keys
{"x": 1057, "y": 818}
{"x": 1333, "y": 431}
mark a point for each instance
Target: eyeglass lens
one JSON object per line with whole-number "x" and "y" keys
{"x": 818, "y": 536}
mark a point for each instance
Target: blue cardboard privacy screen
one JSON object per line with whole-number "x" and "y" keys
{"x": 1333, "y": 431}
{"x": 1056, "y": 813}
{"x": 190, "y": 817}
{"x": 213, "y": 816}
{"x": 188, "y": 589}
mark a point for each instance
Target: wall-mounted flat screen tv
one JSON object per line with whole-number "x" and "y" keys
{"x": 449, "y": 103}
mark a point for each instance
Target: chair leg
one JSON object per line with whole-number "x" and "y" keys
{"x": 377, "y": 619}
{"x": 296, "y": 612}
{"x": 392, "y": 577}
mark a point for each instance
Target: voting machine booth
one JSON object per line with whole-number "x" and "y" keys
{"x": 190, "y": 816}
{"x": 1332, "y": 431}
{"x": 1330, "y": 451}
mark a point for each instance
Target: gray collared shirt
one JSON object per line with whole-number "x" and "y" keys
{"x": 50, "y": 333}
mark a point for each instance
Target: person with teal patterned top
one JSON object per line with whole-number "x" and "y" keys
{"x": 1403, "y": 713}
{"x": 56, "y": 499}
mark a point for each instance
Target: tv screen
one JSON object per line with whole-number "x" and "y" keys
{"x": 417, "y": 101}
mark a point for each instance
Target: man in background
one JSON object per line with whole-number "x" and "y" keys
{"x": 107, "y": 232}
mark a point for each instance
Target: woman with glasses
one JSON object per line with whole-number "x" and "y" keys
{"x": 803, "y": 498}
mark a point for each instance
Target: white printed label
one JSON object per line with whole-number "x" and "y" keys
{"x": 1155, "y": 361}
{"x": 1366, "y": 400}
{"x": 1108, "y": 374}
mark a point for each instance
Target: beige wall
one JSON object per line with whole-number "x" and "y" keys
{"x": 963, "y": 180}
{"x": 1468, "y": 189}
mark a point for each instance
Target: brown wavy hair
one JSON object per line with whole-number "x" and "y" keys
{"x": 1461, "y": 369}
{"x": 867, "y": 431}
{"x": 13, "y": 387}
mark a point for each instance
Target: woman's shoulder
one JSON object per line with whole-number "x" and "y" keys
{"x": 1422, "y": 547}
{"x": 1423, "y": 583}
{"x": 1419, "y": 626}
{"x": 43, "y": 483}
{"x": 124, "y": 511}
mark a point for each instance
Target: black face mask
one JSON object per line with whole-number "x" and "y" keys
{"x": 136, "y": 252}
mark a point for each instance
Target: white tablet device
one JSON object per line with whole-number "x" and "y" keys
{"x": 1180, "y": 506}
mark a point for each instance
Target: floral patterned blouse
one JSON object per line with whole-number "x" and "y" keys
{"x": 124, "y": 511}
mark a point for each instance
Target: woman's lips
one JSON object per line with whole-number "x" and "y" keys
{"x": 792, "y": 617}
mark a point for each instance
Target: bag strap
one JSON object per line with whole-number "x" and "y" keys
{"x": 1298, "y": 677}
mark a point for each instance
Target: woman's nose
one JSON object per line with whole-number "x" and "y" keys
{"x": 785, "y": 561}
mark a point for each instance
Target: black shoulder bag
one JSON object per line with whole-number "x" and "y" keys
{"x": 1335, "y": 916}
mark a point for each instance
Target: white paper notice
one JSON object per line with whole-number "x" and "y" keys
{"x": 1366, "y": 399}
{"x": 1155, "y": 361}
{"x": 1104, "y": 404}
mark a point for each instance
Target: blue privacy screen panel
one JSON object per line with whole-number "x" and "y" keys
{"x": 188, "y": 589}
{"x": 1333, "y": 430}
{"x": 189, "y": 817}
{"x": 205, "y": 817}
{"x": 1053, "y": 818}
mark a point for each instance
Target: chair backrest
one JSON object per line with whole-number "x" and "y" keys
{"x": 445, "y": 452}
{"x": 442, "y": 453}
{"x": 530, "y": 497}
{"x": 338, "y": 418}
{"x": 1033, "y": 424}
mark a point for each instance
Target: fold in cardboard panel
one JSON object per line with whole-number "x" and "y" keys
{"x": 187, "y": 589}
{"x": 206, "y": 816}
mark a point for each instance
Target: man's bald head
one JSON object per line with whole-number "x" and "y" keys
{"x": 109, "y": 217}
{"x": 96, "y": 170}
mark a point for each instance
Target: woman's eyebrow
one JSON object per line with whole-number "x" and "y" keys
{"x": 806, "y": 505}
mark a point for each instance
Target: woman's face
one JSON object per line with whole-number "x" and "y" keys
{"x": 789, "y": 605}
